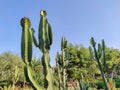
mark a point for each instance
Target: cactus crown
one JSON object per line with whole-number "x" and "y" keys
{"x": 92, "y": 41}
{"x": 25, "y": 22}
{"x": 43, "y": 13}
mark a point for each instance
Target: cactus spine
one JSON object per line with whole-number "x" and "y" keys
{"x": 98, "y": 54}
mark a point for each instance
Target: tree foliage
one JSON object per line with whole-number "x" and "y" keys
{"x": 80, "y": 62}
{"x": 8, "y": 63}
{"x": 112, "y": 58}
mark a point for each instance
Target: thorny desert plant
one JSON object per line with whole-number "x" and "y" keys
{"x": 62, "y": 65}
{"x": 44, "y": 42}
{"x": 99, "y": 55}
{"x": 83, "y": 85}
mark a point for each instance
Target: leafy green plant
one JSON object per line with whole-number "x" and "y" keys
{"x": 9, "y": 87}
{"x": 82, "y": 84}
{"x": 11, "y": 67}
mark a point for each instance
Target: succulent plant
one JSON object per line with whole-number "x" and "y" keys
{"x": 98, "y": 55}
{"x": 44, "y": 41}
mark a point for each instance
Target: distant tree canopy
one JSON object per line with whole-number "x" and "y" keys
{"x": 80, "y": 63}
{"x": 8, "y": 62}
{"x": 112, "y": 58}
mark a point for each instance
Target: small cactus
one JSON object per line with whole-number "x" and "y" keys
{"x": 82, "y": 85}
{"x": 59, "y": 70}
{"x": 62, "y": 63}
{"x": 98, "y": 54}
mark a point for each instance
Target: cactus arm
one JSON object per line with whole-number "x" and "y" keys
{"x": 65, "y": 62}
{"x": 64, "y": 70}
{"x": 45, "y": 40}
{"x": 48, "y": 72}
{"x": 29, "y": 48}
{"x": 42, "y": 32}
{"x": 103, "y": 60}
{"x": 33, "y": 37}
{"x": 62, "y": 42}
{"x": 99, "y": 51}
{"x": 59, "y": 74}
{"x": 59, "y": 71}
{"x": 50, "y": 34}
{"x": 23, "y": 46}
{"x": 31, "y": 77}
{"x": 45, "y": 33}
{"x": 99, "y": 64}
{"x": 26, "y": 42}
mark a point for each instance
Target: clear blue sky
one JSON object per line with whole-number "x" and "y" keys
{"x": 77, "y": 20}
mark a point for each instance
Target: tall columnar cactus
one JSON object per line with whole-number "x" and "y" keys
{"x": 45, "y": 40}
{"x": 59, "y": 70}
{"x": 62, "y": 63}
{"x": 64, "y": 43}
{"x": 26, "y": 52}
{"x": 104, "y": 58}
{"x": 98, "y": 54}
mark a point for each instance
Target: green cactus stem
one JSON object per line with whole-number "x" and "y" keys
{"x": 103, "y": 51}
{"x": 58, "y": 64}
{"x": 64, "y": 43}
{"x": 26, "y": 42}
{"x": 62, "y": 63}
{"x": 32, "y": 31}
{"x": 45, "y": 40}
{"x": 26, "y": 51}
{"x": 45, "y": 33}
{"x": 98, "y": 54}
{"x": 31, "y": 75}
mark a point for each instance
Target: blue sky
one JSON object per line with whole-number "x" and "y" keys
{"x": 77, "y": 20}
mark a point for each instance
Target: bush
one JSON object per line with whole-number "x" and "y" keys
{"x": 100, "y": 83}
